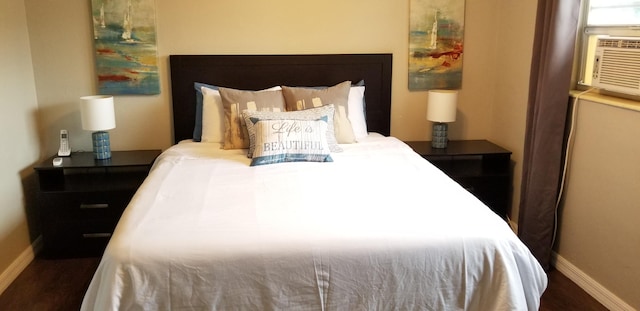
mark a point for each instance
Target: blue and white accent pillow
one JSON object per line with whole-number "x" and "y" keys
{"x": 308, "y": 114}
{"x": 197, "y": 130}
{"x": 290, "y": 140}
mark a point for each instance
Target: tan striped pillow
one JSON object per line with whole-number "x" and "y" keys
{"x": 300, "y": 98}
{"x": 234, "y": 102}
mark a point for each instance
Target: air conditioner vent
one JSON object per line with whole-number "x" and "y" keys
{"x": 617, "y": 65}
{"x": 615, "y": 68}
{"x": 619, "y": 43}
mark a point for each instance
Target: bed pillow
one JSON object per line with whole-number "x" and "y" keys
{"x": 357, "y": 109}
{"x": 212, "y": 114}
{"x": 357, "y": 112}
{"x": 197, "y": 129}
{"x": 288, "y": 140}
{"x": 234, "y": 102}
{"x": 308, "y": 114}
{"x": 300, "y": 98}
{"x": 212, "y": 120}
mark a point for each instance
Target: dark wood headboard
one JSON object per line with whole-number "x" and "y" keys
{"x": 255, "y": 72}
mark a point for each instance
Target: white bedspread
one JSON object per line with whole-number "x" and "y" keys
{"x": 379, "y": 228}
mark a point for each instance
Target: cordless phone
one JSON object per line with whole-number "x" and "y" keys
{"x": 64, "y": 150}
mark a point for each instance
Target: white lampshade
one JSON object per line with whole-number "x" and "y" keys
{"x": 97, "y": 113}
{"x": 442, "y": 105}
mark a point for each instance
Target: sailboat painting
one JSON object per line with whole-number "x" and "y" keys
{"x": 436, "y": 38}
{"x": 124, "y": 34}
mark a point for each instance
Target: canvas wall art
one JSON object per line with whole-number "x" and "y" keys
{"x": 436, "y": 44}
{"x": 125, "y": 45}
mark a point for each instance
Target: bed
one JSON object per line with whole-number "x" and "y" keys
{"x": 375, "y": 228}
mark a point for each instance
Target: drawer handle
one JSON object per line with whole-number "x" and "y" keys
{"x": 94, "y": 206}
{"x": 96, "y": 235}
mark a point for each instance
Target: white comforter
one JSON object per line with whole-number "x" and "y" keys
{"x": 379, "y": 228}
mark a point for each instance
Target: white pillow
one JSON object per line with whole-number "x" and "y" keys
{"x": 356, "y": 112}
{"x": 213, "y": 115}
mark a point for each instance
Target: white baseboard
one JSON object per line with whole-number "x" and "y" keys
{"x": 589, "y": 285}
{"x": 18, "y": 265}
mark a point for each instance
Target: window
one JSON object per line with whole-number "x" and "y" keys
{"x": 614, "y": 18}
{"x": 613, "y": 12}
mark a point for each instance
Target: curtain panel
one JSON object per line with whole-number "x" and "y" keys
{"x": 551, "y": 67}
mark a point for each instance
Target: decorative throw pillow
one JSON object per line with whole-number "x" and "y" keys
{"x": 308, "y": 114}
{"x": 357, "y": 109}
{"x": 212, "y": 114}
{"x": 300, "y": 98}
{"x": 280, "y": 141}
{"x": 234, "y": 102}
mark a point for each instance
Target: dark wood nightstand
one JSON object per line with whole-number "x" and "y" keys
{"x": 81, "y": 201}
{"x": 481, "y": 167}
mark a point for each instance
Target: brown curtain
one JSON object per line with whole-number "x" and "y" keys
{"x": 551, "y": 66}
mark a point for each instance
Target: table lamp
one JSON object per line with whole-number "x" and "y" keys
{"x": 441, "y": 109}
{"x": 98, "y": 115}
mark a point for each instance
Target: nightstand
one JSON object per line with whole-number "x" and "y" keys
{"x": 481, "y": 167}
{"x": 80, "y": 202}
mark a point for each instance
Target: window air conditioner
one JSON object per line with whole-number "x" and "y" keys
{"x": 616, "y": 65}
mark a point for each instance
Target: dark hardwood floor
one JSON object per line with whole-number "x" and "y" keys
{"x": 563, "y": 294}
{"x": 49, "y": 284}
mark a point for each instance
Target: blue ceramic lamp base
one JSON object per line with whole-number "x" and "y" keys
{"x": 101, "y": 145}
{"x": 439, "y": 135}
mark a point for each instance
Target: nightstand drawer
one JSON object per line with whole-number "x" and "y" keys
{"x": 484, "y": 188}
{"x": 77, "y": 238}
{"x": 475, "y": 165}
{"x": 85, "y": 205}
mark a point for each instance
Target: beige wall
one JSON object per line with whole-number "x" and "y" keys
{"x": 63, "y": 58}
{"x": 498, "y": 39}
{"x": 599, "y": 232}
{"x": 511, "y": 86}
{"x": 18, "y": 138}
